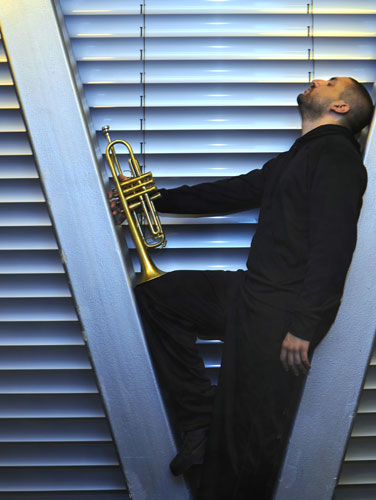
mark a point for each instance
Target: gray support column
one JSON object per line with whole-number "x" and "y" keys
{"x": 330, "y": 398}
{"x": 62, "y": 141}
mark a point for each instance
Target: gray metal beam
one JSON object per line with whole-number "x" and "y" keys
{"x": 62, "y": 140}
{"x": 330, "y": 398}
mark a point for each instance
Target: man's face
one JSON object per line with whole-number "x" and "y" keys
{"x": 317, "y": 99}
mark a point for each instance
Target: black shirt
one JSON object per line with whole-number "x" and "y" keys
{"x": 309, "y": 198}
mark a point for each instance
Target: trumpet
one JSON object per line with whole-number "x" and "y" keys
{"x": 136, "y": 195}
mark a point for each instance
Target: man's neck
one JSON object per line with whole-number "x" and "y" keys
{"x": 308, "y": 125}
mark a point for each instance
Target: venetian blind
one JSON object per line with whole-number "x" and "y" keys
{"x": 55, "y": 442}
{"x": 205, "y": 89}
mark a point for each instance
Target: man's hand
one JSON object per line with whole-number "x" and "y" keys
{"x": 294, "y": 355}
{"x": 115, "y": 205}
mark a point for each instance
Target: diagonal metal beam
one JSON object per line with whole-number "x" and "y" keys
{"x": 323, "y": 423}
{"x": 62, "y": 141}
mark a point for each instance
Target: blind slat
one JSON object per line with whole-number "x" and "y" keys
{"x": 11, "y": 121}
{"x": 264, "y": 25}
{"x": 24, "y": 214}
{"x": 203, "y": 118}
{"x": 229, "y": 141}
{"x": 361, "y": 448}
{"x": 54, "y": 381}
{"x": 118, "y": 7}
{"x": 21, "y": 190}
{"x": 190, "y": 48}
{"x": 50, "y": 406}
{"x": 367, "y": 403}
{"x": 14, "y": 144}
{"x": 364, "y": 425}
{"x": 198, "y": 94}
{"x": 358, "y": 473}
{"x": 273, "y": 48}
{"x": 360, "y": 492}
{"x": 55, "y": 430}
{"x": 67, "y": 495}
{"x": 60, "y": 479}
{"x": 26, "y": 238}
{"x": 34, "y": 286}
{"x": 229, "y": 71}
{"x": 61, "y": 454}
{"x": 17, "y": 167}
{"x": 40, "y": 333}
{"x": 8, "y": 97}
{"x": 229, "y": 259}
{"x": 5, "y": 77}
{"x": 37, "y": 309}
{"x": 204, "y": 166}
{"x": 247, "y": 217}
{"x": 30, "y": 262}
{"x": 204, "y": 236}
{"x": 44, "y": 357}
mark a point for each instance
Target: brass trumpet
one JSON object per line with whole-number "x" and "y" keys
{"x": 136, "y": 196}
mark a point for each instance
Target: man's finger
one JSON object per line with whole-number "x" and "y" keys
{"x": 291, "y": 362}
{"x": 305, "y": 359}
{"x": 298, "y": 363}
{"x": 283, "y": 358}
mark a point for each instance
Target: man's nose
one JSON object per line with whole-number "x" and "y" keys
{"x": 318, "y": 83}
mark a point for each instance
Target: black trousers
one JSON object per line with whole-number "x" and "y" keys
{"x": 251, "y": 411}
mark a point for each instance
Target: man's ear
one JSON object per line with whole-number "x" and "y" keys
{"x": 340, "y": 107}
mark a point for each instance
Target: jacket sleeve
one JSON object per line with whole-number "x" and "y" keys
{"x": 227, "y": 195}
{"x": 337, "y": 187}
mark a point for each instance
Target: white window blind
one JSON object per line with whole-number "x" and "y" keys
{"x": 205, "y": 89}
{"x": 208, "y": 89}
{"x": 55, "y": 441}
{"x": 358, "y": 475}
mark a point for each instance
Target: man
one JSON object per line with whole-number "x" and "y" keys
{"x": 270, "y": 316}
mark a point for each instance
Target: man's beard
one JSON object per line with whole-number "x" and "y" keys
{"x": 310, "y": 108}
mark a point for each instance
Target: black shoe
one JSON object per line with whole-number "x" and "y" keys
{"x": 192, "y": 452}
